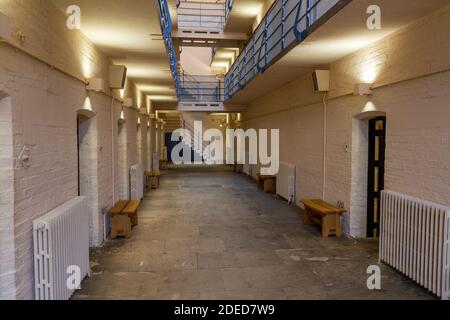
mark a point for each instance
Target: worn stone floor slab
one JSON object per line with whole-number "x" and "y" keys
{"x": 208, "y": 233}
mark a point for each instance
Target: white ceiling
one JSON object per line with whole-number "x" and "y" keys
{"x": 128, "y": 31}
{"x": 244, "y": 14}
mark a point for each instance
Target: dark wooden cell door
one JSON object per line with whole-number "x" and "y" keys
{"x": 377, "y": 147}
{"x": 170, "y": 145}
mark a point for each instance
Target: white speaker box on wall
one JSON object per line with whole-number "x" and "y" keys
{"x": 5, "y": 27}
{"x": 321, "y": 80}
{"x": 117, "y": 77}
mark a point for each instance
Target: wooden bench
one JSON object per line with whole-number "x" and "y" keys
{"x": 163, "y": 164}
{"x": 124, "y": 215}
{"x": 131, "y": 210}
{"x": 324, "y": 214}
{"x": 153, "y": 179}
{"x": 267, "y": 183}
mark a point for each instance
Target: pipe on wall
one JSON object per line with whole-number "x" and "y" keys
{"x": 325, "y": 142}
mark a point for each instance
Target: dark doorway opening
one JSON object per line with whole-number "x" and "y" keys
{"x": 377, "y": 148}
{"x": 78, "y": 155}
{"x": 83, "y": 152}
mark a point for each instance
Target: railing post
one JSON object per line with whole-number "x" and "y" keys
{"x": 265, "y": 44}
{"x": 283, "y": 19}
{"x": 255, "y": 61}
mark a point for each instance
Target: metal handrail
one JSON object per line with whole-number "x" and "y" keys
{"x": 188, "y": 87}
{"x": 286, "y": 23}
{"x": 202, "y": 15}
{"x": 228, "y": 9}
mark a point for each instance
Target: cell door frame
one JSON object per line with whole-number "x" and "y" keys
{"x": 78, "y": 155}
{"x": 376, "y": 171}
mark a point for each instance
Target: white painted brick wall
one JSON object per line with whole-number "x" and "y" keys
{"x": 417, "y": 108}
{"x": 44, "y": 120}
{"x": 44, "y": 106}
{"x": 7, "y": 246}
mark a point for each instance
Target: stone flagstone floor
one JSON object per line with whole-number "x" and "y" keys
{"x": 208, "y": 233}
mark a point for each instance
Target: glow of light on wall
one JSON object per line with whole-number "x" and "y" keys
{"x": 147, "y": 72}
{"x": 149, "y": 105}
{"x": 156, "y": 89}
{"x": 162, "y": 98}
{"x": 122, "y": 93}
{"x": 224, "y": 65}
{"x": 368, "y": 73}
{"x": 249, "y": 10}
{"x": 225, "y": 55}
{"x": 87, "y": 68}
{"x": 239, "y": 116}
{"x": 139, "y": 102}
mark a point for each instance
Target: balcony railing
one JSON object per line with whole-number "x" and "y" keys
{"x": 201, "y": 15}
{"x": 166, "y": 29}
{"x": 201, "y": 88}
{"x": 228, "y": 7}
{"x": 286, "y": 24}
{"x": 188, "y": 88}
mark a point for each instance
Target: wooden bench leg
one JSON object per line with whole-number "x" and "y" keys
{"x": 338, "y": 225}
{"x": 269, "y": 185}
{"x": 121, "y": 226}
{"x": 306, "y": 217}
{"x": 134, "y": 219}
{"x": 114, "y": 230}
{"x": 327, "y": 224}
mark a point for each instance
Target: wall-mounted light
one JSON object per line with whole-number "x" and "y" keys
{"x": 362, "y": 89}
{"x": 369, "y": 107}
{"x": 139, "y": 120}
{"x": 122, "y": 115}
{"x": 148, "y": 123}
{"x": 96, "y": 84}
{"x": 5, "y": 27}
{"x": 87, "y": 105}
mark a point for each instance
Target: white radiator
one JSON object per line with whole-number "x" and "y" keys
{"x": 415, "y": 240}
{"x": 137, "y": 185}
{"x": 247, "y": 167}
{"x": 61, "y": 240}
{"x": 286, "y": 181}
{"x": 155, "y": 159}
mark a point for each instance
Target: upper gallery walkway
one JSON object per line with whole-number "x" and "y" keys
{"x": 208, "y": 233}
